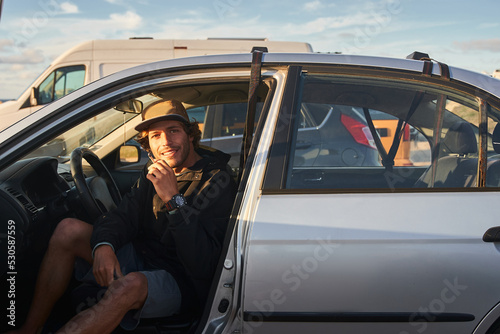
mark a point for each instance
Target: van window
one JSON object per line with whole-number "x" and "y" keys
{"x": 61, "y": 82}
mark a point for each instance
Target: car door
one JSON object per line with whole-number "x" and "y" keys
{"x": 93, "y": 117}
{"x": 375, "y": 248}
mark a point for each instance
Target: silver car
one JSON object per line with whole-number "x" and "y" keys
{"x": 328, "y": 233}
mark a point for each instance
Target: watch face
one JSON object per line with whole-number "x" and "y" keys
{"x": 179, "y": 200}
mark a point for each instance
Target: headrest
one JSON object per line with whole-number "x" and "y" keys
{"x": 496, "y": 138}
{"x": 461, "y": 139}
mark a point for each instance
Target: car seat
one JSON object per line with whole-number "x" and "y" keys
{"x": 458, "y": 169}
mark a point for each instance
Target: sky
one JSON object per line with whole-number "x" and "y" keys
{"x": 460, "y": 33}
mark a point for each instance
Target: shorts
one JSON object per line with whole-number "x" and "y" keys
{"x": 164, "y": 296}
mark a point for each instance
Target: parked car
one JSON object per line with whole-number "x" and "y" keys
{"x": 327, "y": 234}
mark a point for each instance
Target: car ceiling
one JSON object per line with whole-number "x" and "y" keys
{"x": 208, "y": 94}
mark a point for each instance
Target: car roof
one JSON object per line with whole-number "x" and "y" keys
{"x": 479, "y": 80}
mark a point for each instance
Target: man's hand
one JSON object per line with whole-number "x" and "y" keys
{"x": 163, "y": 178}
{"x": 106, "y": 267}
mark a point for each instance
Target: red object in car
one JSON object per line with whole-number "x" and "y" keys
{"x": 359, "y": 131}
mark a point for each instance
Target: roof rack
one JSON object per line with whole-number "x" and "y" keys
{"x": 417, "y": 55}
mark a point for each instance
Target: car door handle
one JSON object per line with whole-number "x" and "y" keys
{"x": 314, "y": 177}
{"x": 492, "y": 235}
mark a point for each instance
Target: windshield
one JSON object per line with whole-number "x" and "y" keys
{"x": 85, "y": 134}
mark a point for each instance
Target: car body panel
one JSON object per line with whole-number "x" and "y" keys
{"x": 335, "y": 251}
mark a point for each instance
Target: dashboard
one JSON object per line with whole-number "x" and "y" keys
{"x": 33, "y": 197}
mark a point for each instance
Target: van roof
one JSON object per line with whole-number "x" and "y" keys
{"x": 186, "y": 47}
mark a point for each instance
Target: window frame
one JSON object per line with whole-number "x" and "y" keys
{"x": 65, "y": 70}
{"x": 277, "y": 172}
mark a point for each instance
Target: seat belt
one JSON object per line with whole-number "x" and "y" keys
{"x": 255, "y": 78}
{"x": 419, "y": 95}
{"x": 376, "y": 137}
{"x": 438, "y": 126}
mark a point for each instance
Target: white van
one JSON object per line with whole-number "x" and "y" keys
{"x": 95, "y": 59}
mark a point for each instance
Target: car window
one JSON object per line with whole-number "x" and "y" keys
{"x": 233, "y": 120}
{"x": 340, "y": 121}
{"x": 222, "y": 124}
{"x": 222, "y": 127}
{"x": 493, "y": 149}
{"x": 84, "y": 134}
{"x": 413, "y": 150}
{"x": 198, "y": 114}
{"x": 313, "y": 115}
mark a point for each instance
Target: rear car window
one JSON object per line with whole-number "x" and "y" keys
{"x": 377, "y": 134}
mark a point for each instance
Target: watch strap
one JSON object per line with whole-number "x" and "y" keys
{"x": 170, "y": 205}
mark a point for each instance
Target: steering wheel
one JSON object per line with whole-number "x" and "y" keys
{"x": 99, "y": 194}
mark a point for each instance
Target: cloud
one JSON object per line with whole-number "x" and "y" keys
{"x": 17, "y": 67}
{"x": 492, "y": 45}
{"x": 128, "y": 20}
{"x": 30, "y": 56}
{"x": 5, "y": 43}
{"x": 124, "y": 3}
{"x": 69, "y": 8}
{"x": 70, "y": 30}
{"x": 312, "y": 6}
{"x": 492, "y": 25}
{"x": 322, "y": 24}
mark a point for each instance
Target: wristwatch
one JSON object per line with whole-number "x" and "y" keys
{"x": 176, "y": 202}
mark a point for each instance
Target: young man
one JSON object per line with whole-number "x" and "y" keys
{"x": 157, "y": 252}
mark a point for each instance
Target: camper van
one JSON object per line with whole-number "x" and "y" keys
{"x": 95, "y": 59}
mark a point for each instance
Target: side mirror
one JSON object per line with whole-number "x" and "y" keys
{"x": 34, "y": 96}
{"x": 129, "y": 154}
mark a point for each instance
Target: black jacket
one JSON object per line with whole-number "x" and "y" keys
{"x": 186, "y": 243}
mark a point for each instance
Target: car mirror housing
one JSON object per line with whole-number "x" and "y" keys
{"x": 34, "y": 97}
{"x": 130, "y": 106}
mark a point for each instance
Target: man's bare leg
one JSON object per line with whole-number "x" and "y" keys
{"x": 126, "y": 293}
{"x": 71, "y": 239}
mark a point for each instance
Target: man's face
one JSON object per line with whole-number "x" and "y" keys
{"x": 168, "y": 141}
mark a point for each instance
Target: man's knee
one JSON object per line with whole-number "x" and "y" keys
{"x": 132, "y": 290}
{"x": 70, "y": 231}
